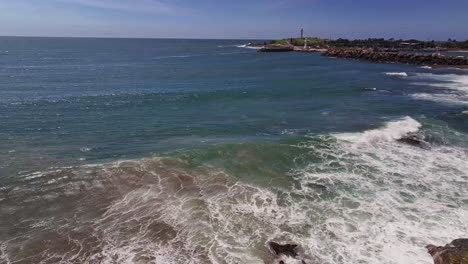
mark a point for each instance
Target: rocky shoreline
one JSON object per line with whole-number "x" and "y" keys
{"x": 455, "y": 252}
{"x": 380, "y": 56}
{"x": 397, "y": 57}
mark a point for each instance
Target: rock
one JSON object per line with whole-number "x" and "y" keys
{"x": 392, "y": 57}
{"x": 276, "y": 48}
{"x": 453, "y": 253}
{"x": 286, "y": 249}
{"x": 414, "y": 140}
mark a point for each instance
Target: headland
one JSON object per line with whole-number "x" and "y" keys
{"x": 430, "y": 53}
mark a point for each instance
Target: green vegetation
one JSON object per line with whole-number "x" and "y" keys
{"x": 375, "y": 43}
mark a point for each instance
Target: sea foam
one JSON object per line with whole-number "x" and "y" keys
{"x": 390, "y": 132}
{"x": 453, "y": 87}
{"x": 385, "y": 200}
{"x": 399, "y": 74}
{"x": 362, "y": 198}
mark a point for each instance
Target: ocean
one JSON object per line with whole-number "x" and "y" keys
{"x": 203, "y": 151}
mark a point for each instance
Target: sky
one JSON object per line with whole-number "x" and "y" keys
{"x": 236, "y": 19}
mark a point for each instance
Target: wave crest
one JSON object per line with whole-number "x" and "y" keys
{"x": 400, "y": 74}
{"x": 390, "y": 132}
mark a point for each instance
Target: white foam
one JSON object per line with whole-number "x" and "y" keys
{"x": 390, "y": 132}
{"x": 245, "y": 46}
{"x": 363, "y": 198}
{"x": 426, "y": 67}
{"x": 371, "y": 89}
{"x": 289, "y": 132}
{"x": 85, "y": 149}
{"x": 399, "y": 74}
{"x": 455, "y": 86}
{"x": 445, "y": 98}
{"x": 452, "y": 81}
{"x": 387, "y": 200}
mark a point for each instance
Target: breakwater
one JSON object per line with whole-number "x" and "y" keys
{"x": 396, "y": 57}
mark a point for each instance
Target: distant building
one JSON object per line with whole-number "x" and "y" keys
{"x": 302, "y": 33}
{"x": 411, "y": 45}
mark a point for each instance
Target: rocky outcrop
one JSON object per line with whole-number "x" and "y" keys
{"x": 397, "y": 57}
{"x": 415, "y": 140}
{"x": 454, "y": 253}
{"x": 276, "y": 48}
{"x": 287, "y": 250}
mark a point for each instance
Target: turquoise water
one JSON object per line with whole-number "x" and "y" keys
{"x": 202, "y": 151}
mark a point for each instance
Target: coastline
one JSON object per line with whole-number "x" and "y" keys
{"x": 398, "y": 57}
{"x": 374, "y": 55}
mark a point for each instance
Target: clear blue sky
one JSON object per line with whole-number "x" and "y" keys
{"x": 241, "y": 19}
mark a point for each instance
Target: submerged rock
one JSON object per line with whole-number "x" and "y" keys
{"x": 454, "y": 253}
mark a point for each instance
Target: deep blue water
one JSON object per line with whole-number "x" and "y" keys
{"x": 255, "y": 116}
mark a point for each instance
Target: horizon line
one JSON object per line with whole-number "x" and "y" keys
{"x": 189, "y": 38}
{"x": 93, "y": 37}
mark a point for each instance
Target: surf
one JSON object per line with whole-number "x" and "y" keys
{"x": 353, "y": 197}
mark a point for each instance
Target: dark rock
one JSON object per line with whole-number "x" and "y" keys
{"x": 414, "y": 140}
{"x": 276, "y": 48}
{"x": 453, "y": 253}
{"x": 392, "y": 57}
{"x": 286, "y": 249}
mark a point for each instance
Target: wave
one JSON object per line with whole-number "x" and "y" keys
{"x": 445, "y": 98}
{"x": 455, "y": 87}
{"x": 390, "y": 132}
{"x": 400, "y": 74}
{"x": 346, "y": 198}
{"x": 451, "y": 81}
{"x": 157, "y": 209}
{"x": 389, "y": 196}
{"x": 248, "y": 47}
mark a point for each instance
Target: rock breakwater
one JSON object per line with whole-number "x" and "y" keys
{"x": 397, "y": 57}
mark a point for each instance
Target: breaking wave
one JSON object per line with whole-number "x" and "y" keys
{"x": 247, "y": 47}
{"x": 445, "y": 98}
{"x": 453, "y": 88}
{"x": 358, "y": 198}
{"x": 390, "y": 132}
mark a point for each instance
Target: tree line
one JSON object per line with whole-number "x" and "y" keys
{"x": 375, "y": 43}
